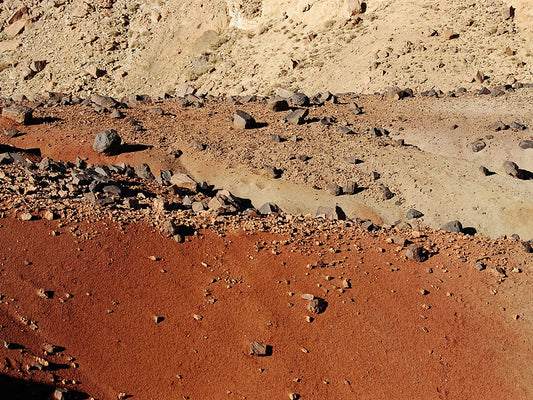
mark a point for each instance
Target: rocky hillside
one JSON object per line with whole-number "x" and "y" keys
{"x": 120, "y": 47}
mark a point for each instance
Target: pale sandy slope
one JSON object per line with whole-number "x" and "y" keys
{"x": 234, "y": 46}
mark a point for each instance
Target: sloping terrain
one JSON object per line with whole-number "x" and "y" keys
{"x": 121, "y": 47}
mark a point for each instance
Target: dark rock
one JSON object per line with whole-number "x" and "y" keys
{"x": 170, "y": 228}
{"x": 271, "y": 171}
{"x": 526, "y": 144}
{"x": 297, "y": 117}
{"x": 327, "y": 96}
{"x": 300, "y": 100}
{"x": 107, "y": 142}
{"x": 498, "y": 126}
{"x": 452, "y": 226}
{"x": 412, "y": 213}
{"x": 5, "y": 158}
{"x": 344, "y": 130}
{"x": 526, "y": 246}
{"x": 355, "y": 108}
{"x": 375, "y": 175}
{"x": 317, "y": 306}
{"x": 165, "y": 176}
{"x": 349, "y": 188}
{"x": 143, "y": 171}
{"x": 116, "y": 114}
{"x": 496, "y": 92}
{"x": 259, "y": 349}
{"x": 157, "y": 111}
{"x": 478, "y": 145}
{"x": 242, "y": 120}
{"x": 104, "y": 101}
{"x": 18, "y": 113}
{"x": 483, "y": 91}
{"x": 278, "y": 104}
{"x": 132, "y": 203}
{"x": 332, "y": 213}
{"x": 386, "y": 193}
{"x": 484, "y": 170}
{"x": 517, "y": 126}
{"x": 269, "y": 208}
{"x": 512, "y": 169}
{"x": 334, "y": 189}
{"x": 417, "y": 253}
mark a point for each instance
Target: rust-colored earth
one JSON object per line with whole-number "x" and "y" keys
{"x": 439, "y": 329}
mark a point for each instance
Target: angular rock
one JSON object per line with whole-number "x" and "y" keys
{"x": 344, "y": 130}
{"x": 526, "y": 144}
{"x": 484, "y": 170}
{"x": 143, "y": 171}
{"x": 332, "y": 213}
{"x": 184, "y": 181}
{"x": 242, "y": 120}
{"x": 478, "y": 145}
{"x": 412, "y": 213}
{"x": 269, "y": 208}
{"x": 271, "y": 171}
{"x": 512, "y": 169}
{"x": 526, "y": 246}
{"x": 517, "y": 126}
{"x": 259, "y": 349}
{"x": 317, "y": 306}
{"x": 349, "y": 188}
{"x": 299, "y": 100}
{"x": 498, "y": 126}
{"x": 170, "y": 228}
{"x": 104, "y": 101}
{"x": 18, "y": 113}
{"x": 452, "y": 226}
{"x": 417, "y": 253}
{"x": 278, "y": 104}
{"x": 107, "y": 142}
{"x": 334, "y": 189}
{"x": 297, "y": 117}
{"x": 5, "y": 158}
{"x": 386, "y": 193}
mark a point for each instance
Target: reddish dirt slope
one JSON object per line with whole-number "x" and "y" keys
{"x": 381, "y": 338}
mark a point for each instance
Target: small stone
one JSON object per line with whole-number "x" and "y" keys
{"x": 18, "y": 113}
{"x": 526, "y": 144}
{"x": 49, "y": 215}
{"x": 516, "y": 126}
{"x": 417, "y": 253}
{"x": 412, "y": 213}
{"x": 526, "y": 246}
{"x": 449, "y": 34}
{"x": 45, "y": 294}
{"x": 423, "y": 292}
{"x": 107, "y": 142}
{"x": 317, "y": 306}
{"x": 452, "y": 226}
{"x": 278, "y": 104}
{"x": 294, "y": 396}
{"x": 350, "y": 188}
{"x": 297, "y": 117}
{"x": 242, "y": 120}
{"x": 307, "y": 296}
{"x": 498, "y": 126}
{"x": 478, "y": 145}
{"x": 95, "y": 72}
{"x": 299, "y": 100}
{"x": 158, "y": 319}
{"x": 479, "y": 266}
{"x": 334, "y": 189}
{"x": 258, "y": 349}
{"x": 386, "y": 193}
{"x": 271, "y": 171}
{"x": 51, "y": 349}
{"x": 197, "y": 317}
{"x": 143, "y": 171}
{"x": 512, "y": 169}
{"x": 26, "y": 217}
{"x": 184, "y": 181}
{"x": 484, "y": 170}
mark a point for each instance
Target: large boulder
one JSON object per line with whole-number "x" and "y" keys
{"x": 18, "y": 113}
{"x": 107, "y": 142}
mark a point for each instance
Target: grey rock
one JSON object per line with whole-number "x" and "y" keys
{"x": 480, "y": 266}
{"x": 5, "y": 158}
{"x": 198, "y": 206}
{"x": 517, "y": 126}
{"x": 399, "y": 240}
{"x": 259, "y": 349}
{"x": 195, "y": 144}
{"x": 18, "y": 113}
{"x": 512, "y": 169}
{"x": 355, "y": 108}
{"x": 367, "y": 225}
{"x": 344, "y": 130}
{"x": 297, "y": 117}
{"x": 271, "y": 171}
{"x": 332, "y": 213}
{"x": 498, "y": 126}
{"x": 184, "y": 181}
{"x": 143, "y": 171}
{"x": 269, "y": 208}
{"x": 452, "y": 226}
{"x": 317, "y": 306}
{"x": 242, "y": 120}
{"x": 116, "y": 114}
{"x": 107, "y": 142}
{"x": 478, "y": 145}
{"x": 12, "y": 132}
{"x": 165, "y": 175}
{"x": 349, "y": 188}
{"x": 417, "y": 253}
{"x": 412, "y": 213}
{"x": 169, "y": 228}
{"x": 278, "y": 104}
{"x": 334, "y": 189}
{"x": 526, "y": 144}
{"x": 386, "y": 193}
{"x": 526, "y": 246}
{"x": 484, "y": 170}
{"x": 300, "y": 100}
{"x": 104, "y": 101}
{"x": 276, "y": 138}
